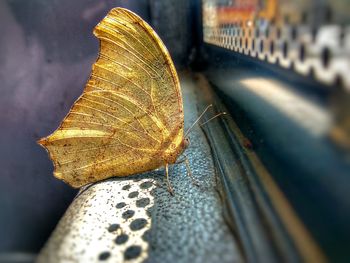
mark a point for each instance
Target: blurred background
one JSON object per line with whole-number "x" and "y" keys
{"x": 280, "y": 67}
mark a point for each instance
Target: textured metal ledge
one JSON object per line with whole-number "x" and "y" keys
{"x": 136, "y": 219}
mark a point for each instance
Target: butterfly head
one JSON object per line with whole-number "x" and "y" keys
{"x": 185, "y": 143}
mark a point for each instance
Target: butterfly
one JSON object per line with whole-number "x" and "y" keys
{"x": 129, "y": 118}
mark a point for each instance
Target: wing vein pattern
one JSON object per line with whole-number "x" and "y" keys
{"x": 129, "y": 118}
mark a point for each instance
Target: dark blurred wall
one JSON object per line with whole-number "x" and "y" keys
{"x": 46, "y": 52}
{"x": 173, "y": 20}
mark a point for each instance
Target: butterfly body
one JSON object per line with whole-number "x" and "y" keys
{"x": 129, "y": 118}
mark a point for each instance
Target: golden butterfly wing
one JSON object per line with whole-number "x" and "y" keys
{"x": 129, "y": 118}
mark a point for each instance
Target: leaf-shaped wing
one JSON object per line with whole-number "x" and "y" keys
{"x": 129, "y": 118}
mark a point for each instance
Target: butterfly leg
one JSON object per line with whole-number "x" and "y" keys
{"x": 170, "y": 189}
{"x": 188, "y": 169}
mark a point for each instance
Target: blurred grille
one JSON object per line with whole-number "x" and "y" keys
{"x": 304, "y": 36}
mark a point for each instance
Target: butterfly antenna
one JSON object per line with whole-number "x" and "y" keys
{"x": 200, "y": 116}
{"x": 212, "y": 118}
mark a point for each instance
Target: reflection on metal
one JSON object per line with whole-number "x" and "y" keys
{"x": 309, "y": 171}
{"x": 306, "y": 36}
{"x": 265, "y": 222}
{"x": 305, "y": 113}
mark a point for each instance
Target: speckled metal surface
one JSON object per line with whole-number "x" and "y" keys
{"x": 136, "y": 219}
